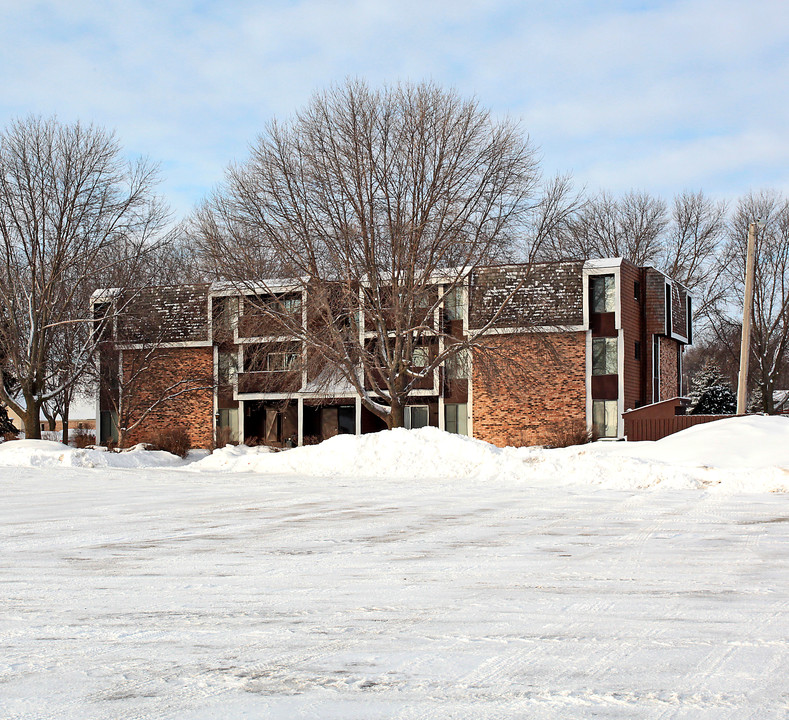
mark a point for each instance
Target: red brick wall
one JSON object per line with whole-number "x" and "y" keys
{"x": 192, "y": 410}
{"x": 535, "y": 386}
{"x": 632, "y": 331}
{"x": 669, "y": 380}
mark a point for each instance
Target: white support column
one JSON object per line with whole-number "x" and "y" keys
{"x": 300, "y": 406}
{"x": 358, "y": 415}
{"x": 215, "y": 392}
{"x": 441, "y": 422}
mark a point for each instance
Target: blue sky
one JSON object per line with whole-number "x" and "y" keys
{"x": 659, "y": 96}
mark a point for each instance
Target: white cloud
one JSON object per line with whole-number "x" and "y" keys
{"x": 612, "y": 92}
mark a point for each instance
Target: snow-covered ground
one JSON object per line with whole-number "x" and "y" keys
{"x": 403, "y": 575}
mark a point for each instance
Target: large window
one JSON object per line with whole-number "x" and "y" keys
{"x": 228, "y": 367}
{"x": 604, "y": 356}
{"x": 457, "y": 366}
{"x": 456, "y": 418}
{"x": 227, "y": 421}
{"x": 604, "y": 418}
{"x": 291, "y": 305}
{"x": 453, "y": 304}
{"x": 417, "y": 416}
{"x": 281, "y": 361}
{"x": 602, "y": 289}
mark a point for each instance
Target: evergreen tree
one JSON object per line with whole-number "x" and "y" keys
{"x": 6, "y": 426}
{"x": 755, "y": 401}
{"x": 711, "y": 393}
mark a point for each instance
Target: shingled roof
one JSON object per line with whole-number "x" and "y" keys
{"x": 164, "y": 314}
{"x": 545, "y": 294}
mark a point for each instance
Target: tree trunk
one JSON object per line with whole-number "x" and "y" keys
{"x": 767, "y": 398}
{"x": 31, "y": 419}
{"x": 64, "y": 418}
{"x": 396, "y": 418}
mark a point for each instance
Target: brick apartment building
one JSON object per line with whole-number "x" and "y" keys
{"x": 578, "y": 344}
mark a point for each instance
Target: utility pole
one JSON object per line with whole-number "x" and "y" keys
{"x": 747, "y": 312}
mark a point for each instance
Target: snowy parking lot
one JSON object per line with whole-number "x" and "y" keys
{"x": 221, "y": 590}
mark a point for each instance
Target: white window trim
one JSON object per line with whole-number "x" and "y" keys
{"x": 606, "y": 266}
{"x": 409, "y": 409}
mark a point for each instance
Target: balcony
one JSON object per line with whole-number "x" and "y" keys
{"x": 269, "y": 381}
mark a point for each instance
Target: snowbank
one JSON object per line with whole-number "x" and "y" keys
{"x": 745, "y": 454}
{"x": 736, "y": 455}
{"x": 748, "y": 454}
{"x": 47, "y": 453}
{"x": 429, "y": 453}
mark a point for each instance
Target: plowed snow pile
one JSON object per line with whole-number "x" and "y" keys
{"x": 738, "y": 454}
{"x": 429, "y": 453}
{"x": 734, "y": 455}
{"x": 47, "y": 453}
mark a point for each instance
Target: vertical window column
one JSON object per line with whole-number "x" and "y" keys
{"x": 605, "y": 355}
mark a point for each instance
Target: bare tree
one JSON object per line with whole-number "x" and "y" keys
{"x": 691, "y": 246}
{"x": 630, "y": 226}
{"x": 555, "y": 226}
{"x": 380, "y": 204}
{"x": 73, "y": 215}
{"x": 770, "y": 332}
{"x": 685, "y": 243}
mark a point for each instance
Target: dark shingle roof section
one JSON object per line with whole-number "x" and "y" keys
{"x": 164, "y": 315}
{"x": 545, "y": 294}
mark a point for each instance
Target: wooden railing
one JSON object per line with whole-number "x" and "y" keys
{"x": 658, "y": 428}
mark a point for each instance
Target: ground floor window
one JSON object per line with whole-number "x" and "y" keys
{"x": 456, "y": 418}
{"x": 416, "y": 416}
{"x": 227, "y": 426}
{"x": 108, "y": 427}
{"x": 604, "y": 418}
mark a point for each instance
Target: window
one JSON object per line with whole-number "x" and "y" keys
{"x": 416, "y": 416}
{"x": 457, "y": 366}
{"x": 637, "y": 291}
{"x": 638, "y": 350}
{"x": 421, "y": 357}
{"x": 281, "y": 361}
{"x": 602, "y": 289}
{"x": 225, "y": 314}
{"x": 291, "y": 305}
{"x": 456, "y": 418}
{"x": 604, "y": 418}
{"x": 668, "y": 310}
{"x": 604, "y": 356}
{"x": 228, "y": 368}
{"x": 346, "y": 419}
{"x": 453, "y": 304}
{"x": 102, "y": 321}
{"x": 228, "y": 418}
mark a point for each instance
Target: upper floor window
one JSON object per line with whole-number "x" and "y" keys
{"x": 281, "y": 361}
{"x": 421, "y": 356}
{"x": 602, "y": 289}
{"x": 604, "y": 356}
{"x": 228, "y": 368}
{"x": 453, "y": 304}
{"x": 290, "y": 305}
{"x": 457, "y": 366}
